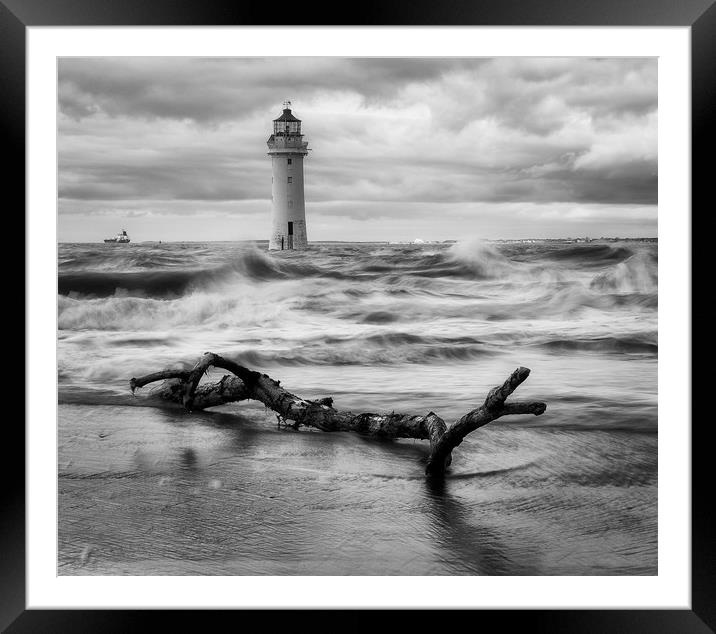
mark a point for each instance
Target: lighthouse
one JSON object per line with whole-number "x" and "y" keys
{"x": 288, "y": 212}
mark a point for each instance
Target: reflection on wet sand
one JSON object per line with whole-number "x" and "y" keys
{"x": 221, "y": 493}
{"x": 469, "y": 547}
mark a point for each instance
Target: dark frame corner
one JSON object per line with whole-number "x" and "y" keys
{"x": 700, "y": 15}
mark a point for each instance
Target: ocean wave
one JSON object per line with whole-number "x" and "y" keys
{"x": 481, "y": 259}
{"x": 404, "y": 348}
{"x": 403, "y": 271}
{"x": 592, "y": 254}
{"x": 636, "y": 274}
{"x": 149, "y": 284}
{"x": 241, "y": 302}
{"x": 252, "y": 265}
{"x": 217, "y": 310}
{"x": 632, "y": 343}
{"x": 379, "y": 317}
{"x": 361, "y": 352}
{"x": 128, "y": 259}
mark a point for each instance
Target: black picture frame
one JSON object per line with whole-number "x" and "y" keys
{"x": 699, "y": 15}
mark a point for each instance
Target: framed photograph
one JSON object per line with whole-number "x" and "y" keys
{"x": 389, "y": 315}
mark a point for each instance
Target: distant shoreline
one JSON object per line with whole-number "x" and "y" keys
{"x": 401, "y": 242}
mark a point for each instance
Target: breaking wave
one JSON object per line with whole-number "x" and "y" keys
{"x": 466, "y": 281}
{"x": 372, "y": 322}
{"x": 168, "y": 276}
{"x": 249, "y": 265}
{"x": 636, "y": 274}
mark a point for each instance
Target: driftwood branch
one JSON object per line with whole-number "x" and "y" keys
{"x": 182, "y": 387}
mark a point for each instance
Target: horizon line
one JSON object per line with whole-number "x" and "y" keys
{"x": 583, "y": 239}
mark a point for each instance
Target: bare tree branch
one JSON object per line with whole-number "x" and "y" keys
{"x": 183, "y": 387}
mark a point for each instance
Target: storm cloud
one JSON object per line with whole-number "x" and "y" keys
{"x": 567, "y": 145}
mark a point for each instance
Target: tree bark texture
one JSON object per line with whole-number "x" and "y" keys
{"x": 182, "y": 387}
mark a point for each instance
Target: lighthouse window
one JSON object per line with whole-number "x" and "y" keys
{"x": 289, "y": 161}
{"x": 290, "y": 179}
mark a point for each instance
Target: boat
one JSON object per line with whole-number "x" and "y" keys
{"x": 120, "y": 238}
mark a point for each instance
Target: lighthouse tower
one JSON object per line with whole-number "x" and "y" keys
{"x": 288, "y": 212}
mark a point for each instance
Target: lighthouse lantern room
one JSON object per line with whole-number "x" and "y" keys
{"x": 288, "y": 212}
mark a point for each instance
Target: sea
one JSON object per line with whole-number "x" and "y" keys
{"x": 145, "y": 488}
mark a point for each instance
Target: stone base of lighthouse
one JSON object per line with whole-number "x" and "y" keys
{"x": 289, "y": 235}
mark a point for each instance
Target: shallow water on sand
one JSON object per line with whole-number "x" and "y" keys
{"x": 147, "y": 490}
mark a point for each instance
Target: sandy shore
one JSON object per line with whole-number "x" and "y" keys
{"x": 147, "y": 491}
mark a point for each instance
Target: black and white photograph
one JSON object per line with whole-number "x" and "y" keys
{"x": 357, "y": 316}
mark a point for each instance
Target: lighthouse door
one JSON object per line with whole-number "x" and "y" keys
{"x": 290, "y": 235}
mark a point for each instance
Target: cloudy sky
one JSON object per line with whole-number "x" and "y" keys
{"x": 432, "y": 148}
